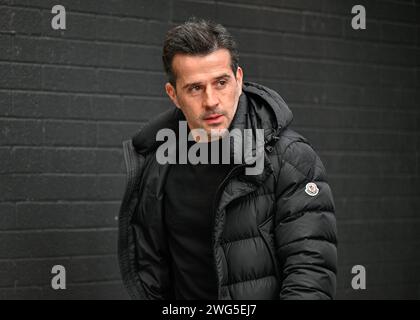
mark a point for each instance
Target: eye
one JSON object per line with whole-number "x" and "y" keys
{"x": 221, "y": 82}
{"x": 194, "y": 88}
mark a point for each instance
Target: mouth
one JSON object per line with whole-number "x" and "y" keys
{"x": 213, "y": 119}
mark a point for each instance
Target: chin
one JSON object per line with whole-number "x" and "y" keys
{"x": 218, "y": 130}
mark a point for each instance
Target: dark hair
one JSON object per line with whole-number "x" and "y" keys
{"x": 197, "y": 37}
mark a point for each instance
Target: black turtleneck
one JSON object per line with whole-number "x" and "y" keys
{"x": 190, "y": 192}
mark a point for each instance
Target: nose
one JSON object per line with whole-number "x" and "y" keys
{"x": 211, "y": 99}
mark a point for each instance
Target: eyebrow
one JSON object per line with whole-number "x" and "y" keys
{"x": 225, "y": 75}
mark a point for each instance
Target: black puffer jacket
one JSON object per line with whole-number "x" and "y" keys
{"x": 274, "y": 233}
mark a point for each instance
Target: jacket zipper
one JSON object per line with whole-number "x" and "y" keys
{"x": 269, "y": 248}
{"x": 215, "y": 202}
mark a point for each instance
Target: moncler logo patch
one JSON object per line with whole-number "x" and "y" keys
{"x": 311, "y": 189}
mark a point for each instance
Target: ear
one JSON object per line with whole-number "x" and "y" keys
{"x": 239, "y": 77}
{"x": 171, "y": 92}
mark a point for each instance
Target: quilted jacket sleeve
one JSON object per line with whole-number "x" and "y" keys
{"x": 142, "y": 251}
{"x": 305, "y": 226}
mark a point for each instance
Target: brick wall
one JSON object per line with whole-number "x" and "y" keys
{"x": 68, "y": 99}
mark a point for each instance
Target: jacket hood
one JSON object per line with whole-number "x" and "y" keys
{"x": 258, "y": 107}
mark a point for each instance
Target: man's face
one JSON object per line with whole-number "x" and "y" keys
{"x": 207, "y": 91}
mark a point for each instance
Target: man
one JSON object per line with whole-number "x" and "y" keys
{"x": 211, "y": 231}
